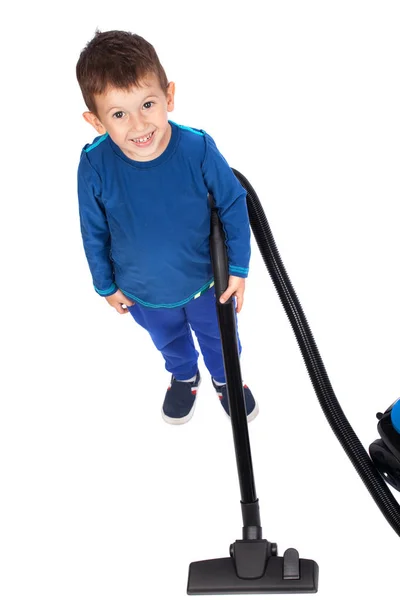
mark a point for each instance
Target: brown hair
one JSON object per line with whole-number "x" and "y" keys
{"x": 119, "y": 59}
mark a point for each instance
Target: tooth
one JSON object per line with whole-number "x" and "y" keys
{"x": 141, "y": 140}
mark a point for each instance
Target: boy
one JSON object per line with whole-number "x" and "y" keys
{"x": 143, "y": 189}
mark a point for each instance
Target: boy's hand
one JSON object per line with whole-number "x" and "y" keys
{"x": 235, "y": 288}
{"x": 117, "y": 299}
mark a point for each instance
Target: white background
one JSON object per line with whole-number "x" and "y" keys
{"x": 100, "y": 499}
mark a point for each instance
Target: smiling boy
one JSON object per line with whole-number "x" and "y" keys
{"x": 143, "y": 187}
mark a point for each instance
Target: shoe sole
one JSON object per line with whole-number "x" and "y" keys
{"x": 253, "y": 414}
{"x": 181, "y": 420}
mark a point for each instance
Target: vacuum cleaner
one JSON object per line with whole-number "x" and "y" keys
{"x": 253, "y": 564}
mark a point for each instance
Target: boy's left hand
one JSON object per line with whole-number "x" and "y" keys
{"x": 235, "y": 288}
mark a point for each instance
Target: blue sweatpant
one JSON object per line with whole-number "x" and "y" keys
{"x": 170, "y": 330}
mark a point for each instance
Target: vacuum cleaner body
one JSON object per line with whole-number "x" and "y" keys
{"x": 385, "y": 452}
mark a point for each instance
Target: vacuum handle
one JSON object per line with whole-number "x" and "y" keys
{"x": 219, "y": 255}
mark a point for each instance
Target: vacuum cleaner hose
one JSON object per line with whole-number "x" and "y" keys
{"x": 315, "y": 367}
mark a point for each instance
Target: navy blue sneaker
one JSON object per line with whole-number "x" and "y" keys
{"x": 251, "y": 404}
{"x": 180, "y": 401}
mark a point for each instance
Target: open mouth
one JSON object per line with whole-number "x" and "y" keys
{"x": 143, "y": 140}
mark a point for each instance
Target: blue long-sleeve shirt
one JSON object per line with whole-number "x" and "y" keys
{"x": 146, "y": 225}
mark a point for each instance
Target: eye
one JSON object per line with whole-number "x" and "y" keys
{"x": 148, "y": 104}
{"x": 118, "y": 115}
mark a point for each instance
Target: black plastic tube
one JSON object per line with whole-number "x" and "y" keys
{"x": 230, "y": 352}
{"x": 315, "y": 367}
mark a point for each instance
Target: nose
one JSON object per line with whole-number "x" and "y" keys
{"x": 137, "y": 123}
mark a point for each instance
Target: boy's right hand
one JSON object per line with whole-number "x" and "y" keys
{"x": 117, "y": 300}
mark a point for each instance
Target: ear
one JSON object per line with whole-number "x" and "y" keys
{"x": 94, "y": 122}
{"x": 170, "y": 96}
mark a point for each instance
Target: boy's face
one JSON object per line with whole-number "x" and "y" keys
{"x": 136, "y": 119}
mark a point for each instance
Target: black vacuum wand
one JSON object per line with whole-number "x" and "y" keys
{"x": 253, "y": 565}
